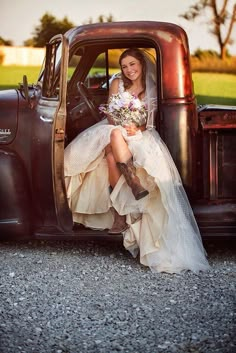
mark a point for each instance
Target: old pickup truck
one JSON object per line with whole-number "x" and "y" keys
{"x": 38, "y": 120}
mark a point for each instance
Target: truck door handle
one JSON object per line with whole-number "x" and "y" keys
{"x": 46, "y": 120}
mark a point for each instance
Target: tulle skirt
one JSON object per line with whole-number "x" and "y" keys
{"x": 162, "y": 228}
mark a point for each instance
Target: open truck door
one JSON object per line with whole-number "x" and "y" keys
{"x": 48, "y": 145}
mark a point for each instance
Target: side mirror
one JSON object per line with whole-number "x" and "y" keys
{"x": 26, "y": 88}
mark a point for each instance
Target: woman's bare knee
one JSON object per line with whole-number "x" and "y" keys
{"x": 119, "y": 146}
{"x": 116, "y": 135}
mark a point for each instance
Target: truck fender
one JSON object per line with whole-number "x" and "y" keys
{"x": 15, "y": 201}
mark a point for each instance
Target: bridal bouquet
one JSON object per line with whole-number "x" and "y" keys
{"x": 125, "y": 108}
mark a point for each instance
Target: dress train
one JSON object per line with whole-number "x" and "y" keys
{"x": 162, "y": 228}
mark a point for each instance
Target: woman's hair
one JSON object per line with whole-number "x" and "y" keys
{"x": 137, "y": 54}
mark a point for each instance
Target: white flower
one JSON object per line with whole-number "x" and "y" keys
{"x": 136, "y": 103}
{"x": 125, "y": 99}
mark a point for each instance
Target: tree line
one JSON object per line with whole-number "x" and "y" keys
{"x": 221, "y": 23}
{"x": 48, "y": 27}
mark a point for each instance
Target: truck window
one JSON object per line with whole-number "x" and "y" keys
{"x": 97, "y": 73}
{"x": 73, "y": 63}
{"x": 50, "y": 87}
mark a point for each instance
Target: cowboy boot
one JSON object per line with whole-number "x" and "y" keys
{"x": 129, "y": 172}
{"x": 119, "y": 224}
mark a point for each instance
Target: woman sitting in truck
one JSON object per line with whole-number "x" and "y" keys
{"x": 120, "y": 176}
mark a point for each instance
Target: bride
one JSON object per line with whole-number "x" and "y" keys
{"x": 119, "y": 175}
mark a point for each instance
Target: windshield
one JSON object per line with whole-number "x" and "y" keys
{"x": 41, "y": 72}
{"x": 58, "y": 50}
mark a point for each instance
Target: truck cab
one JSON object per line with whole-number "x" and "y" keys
{"x": 38, "y": 121}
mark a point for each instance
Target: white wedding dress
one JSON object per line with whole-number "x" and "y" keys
{"x": 162, "y": 228}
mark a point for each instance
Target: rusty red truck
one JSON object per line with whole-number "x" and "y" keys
{"x": 38, "y": 121}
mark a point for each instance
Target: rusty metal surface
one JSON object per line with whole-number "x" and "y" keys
{"x": 8, "y": 115}
{"x": 218, "y": 117}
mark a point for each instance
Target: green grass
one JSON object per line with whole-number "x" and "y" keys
{"x": 10, "y": 76}
{"x": 215, "y": 88}
{"x": 209, "y": 87}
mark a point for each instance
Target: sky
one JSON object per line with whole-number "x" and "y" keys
{"x": 18, "y": 18}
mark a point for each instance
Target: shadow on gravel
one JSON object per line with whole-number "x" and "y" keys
{"x": 220, "y": 245}
{"x": 215, "y": 246}
{"x": 99, "y": 246}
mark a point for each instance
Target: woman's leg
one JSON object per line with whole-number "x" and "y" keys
{"x": 124, "y": 162}
{"x": 119, "y": 224}
{"x": 113, "y": 170}
{"x": 119, "y": 147}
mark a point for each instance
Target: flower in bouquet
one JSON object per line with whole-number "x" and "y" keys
{"x": 125, "y": 108}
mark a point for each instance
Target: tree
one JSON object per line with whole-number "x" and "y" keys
{"x": 102, "y": 19}
{"x": 49, "y": 26}
{"x": 6, "y": 42}
{"x": 29, "y": 42}
{"x": 222, "y": 19}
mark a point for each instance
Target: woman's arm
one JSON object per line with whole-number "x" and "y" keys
{"x": 114, "y": 87}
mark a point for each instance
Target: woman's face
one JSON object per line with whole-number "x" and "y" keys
{"x": 131, "y": 68}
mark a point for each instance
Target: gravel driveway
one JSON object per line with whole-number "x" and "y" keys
{"x": 92, "y": 296}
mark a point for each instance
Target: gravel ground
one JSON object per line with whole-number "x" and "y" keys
{"x": 92, "y": 296}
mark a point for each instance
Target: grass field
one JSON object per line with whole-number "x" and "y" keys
{"x": 209, "y": 87}
{"x": 215, "y": 88}
{"x": 10, "y": 76}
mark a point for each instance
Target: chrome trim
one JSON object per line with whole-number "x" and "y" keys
{"x": 46, "y": 120}
{"x": 205, "y": 107}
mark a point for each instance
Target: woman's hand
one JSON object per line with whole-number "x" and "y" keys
{"x": 131, "y": 129}
{"x": 109, "y": 118}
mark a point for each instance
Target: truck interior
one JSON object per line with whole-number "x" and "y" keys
{"x": 90, "y": 70}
